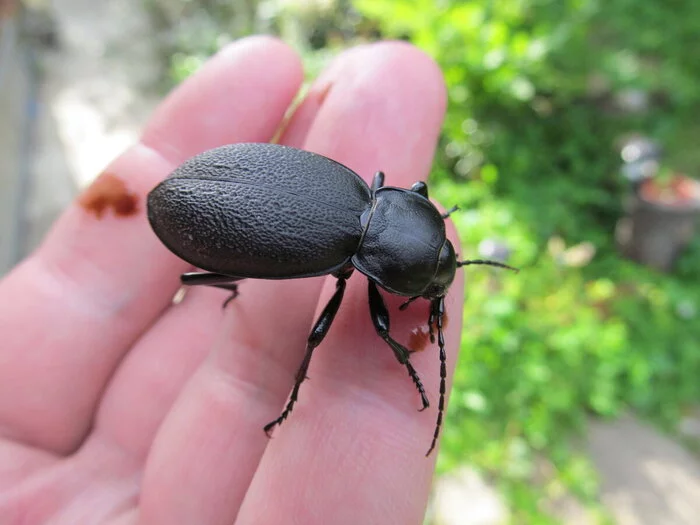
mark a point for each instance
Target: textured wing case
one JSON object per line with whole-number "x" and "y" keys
{"x": 260, "y": 210}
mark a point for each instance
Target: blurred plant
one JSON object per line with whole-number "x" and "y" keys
{"x": 189, "y": 31}
{"x": 528, "y": 152}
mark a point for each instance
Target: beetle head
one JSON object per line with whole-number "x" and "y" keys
{"x": 445, "y": 274}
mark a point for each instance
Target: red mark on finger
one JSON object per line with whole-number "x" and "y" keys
{"x": 109, "y": 191}
{"x": 8, "y": 8}
{"x": 419, "y": 338}
{"x": 420, "y": 335}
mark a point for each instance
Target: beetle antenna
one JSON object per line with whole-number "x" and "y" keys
{"x": 437, "y": 311}
{"x": 487, "y": 263}
{"x": 449, "y": 212}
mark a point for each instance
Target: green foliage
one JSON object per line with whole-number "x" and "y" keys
{"x": 529, "y": 151}
{"x": 189, "y": 31}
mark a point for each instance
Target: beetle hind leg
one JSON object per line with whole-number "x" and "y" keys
{"x": 380, "y": 319}
{"x": 318, "y": 332}
{"x": 217, "y": 280}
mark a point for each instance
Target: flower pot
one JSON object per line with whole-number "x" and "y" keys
{"x": 660, "y": 221}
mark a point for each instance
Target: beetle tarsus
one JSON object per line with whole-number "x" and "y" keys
{"x": 380, "y": 319}
{"x": 234, "y": 294}
{"x": 419, "y": 385}
{"x": 318, "y": 332}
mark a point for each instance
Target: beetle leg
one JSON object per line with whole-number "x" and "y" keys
{"x": 217, "y": 280}
{"x": 421, "y": 188}
{"x": 378, "y": 181}
{"x": 318, "y": 332}
{"x": 449, "y": 212}
{"x": 437, "y": 311}
{"x": 380, "y": 318}
{"x": 409, "y": 301}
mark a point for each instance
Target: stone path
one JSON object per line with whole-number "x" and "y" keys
{"x": 646, "y": 479}
{"x": 15, "y": 100}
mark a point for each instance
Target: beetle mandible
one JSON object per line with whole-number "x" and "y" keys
{"x": 266, "y": 211}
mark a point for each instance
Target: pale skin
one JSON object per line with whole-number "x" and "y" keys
{"x": 117, "y": 407}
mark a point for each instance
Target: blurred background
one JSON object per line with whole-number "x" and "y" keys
{"x": 571, "y": 148}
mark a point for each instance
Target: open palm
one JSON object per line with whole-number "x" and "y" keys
{"x": 118, "y": 407}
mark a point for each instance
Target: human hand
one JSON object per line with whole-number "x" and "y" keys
{"x": 117, "y": 407}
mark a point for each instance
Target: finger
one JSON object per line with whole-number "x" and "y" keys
{"x": 209, "y": 445}
{"x": 353, "y": 451}
{"x": 71, "y": 311}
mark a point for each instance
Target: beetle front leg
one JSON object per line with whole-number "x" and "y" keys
{"x": 437, "y": 314}
{"x": 408, "y": 301}
{"x": 319, "y": 331}
{"x": 380, "y": 319}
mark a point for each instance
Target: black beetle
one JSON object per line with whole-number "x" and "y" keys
{"x": 266, "y": 211}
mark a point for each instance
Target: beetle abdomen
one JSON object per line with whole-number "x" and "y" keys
{"x": 260, "y": 210}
